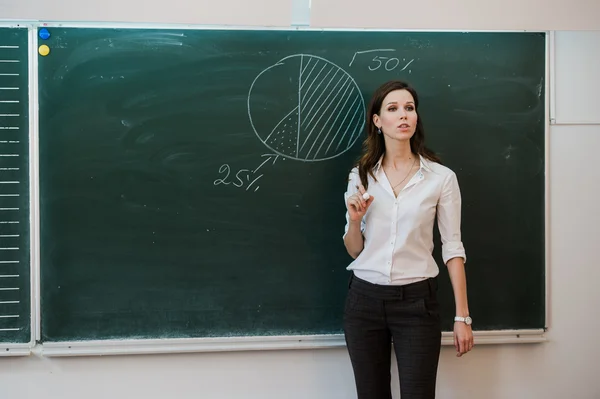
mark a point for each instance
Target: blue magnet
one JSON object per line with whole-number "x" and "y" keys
{"x": 44, "y": 34}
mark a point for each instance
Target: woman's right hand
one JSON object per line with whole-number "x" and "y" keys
{"x": 357, "y": 205}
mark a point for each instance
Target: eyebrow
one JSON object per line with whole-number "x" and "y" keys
{"x": 396, "y": 102}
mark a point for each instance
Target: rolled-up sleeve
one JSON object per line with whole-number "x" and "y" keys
{"x": 449, "y": 219}
{"x": 353, "y": 180}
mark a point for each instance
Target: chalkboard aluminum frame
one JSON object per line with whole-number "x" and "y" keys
{"x": 124, "y": 347}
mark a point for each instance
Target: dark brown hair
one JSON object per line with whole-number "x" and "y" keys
{"x": 374, "y": 144}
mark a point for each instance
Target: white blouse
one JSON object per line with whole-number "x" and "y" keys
{"x": 398, "y": 232}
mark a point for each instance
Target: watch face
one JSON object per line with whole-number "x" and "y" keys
{"x": 468, "y": 320}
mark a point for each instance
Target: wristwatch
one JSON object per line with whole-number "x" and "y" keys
{"x": 467, "y": 320}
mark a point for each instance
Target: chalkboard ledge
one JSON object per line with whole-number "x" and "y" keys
{"x": 15, "y": 349}
{"x": 156, "y": 346}
{"x": 502, "y": 337}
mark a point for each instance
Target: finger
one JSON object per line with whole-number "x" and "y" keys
{"x": 464, "y": 346}
{"x": 351, "y": 204}
{"x": 356, "y": 204}
{"x": 362, "y": 192}
{"x": 361, "y": 204}
{"x": 456, "y": 343}
{"x": 360, "y": 199}
{"x": 459, "y": 349}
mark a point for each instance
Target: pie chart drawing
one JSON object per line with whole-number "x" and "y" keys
{"x": 306, "y": 108}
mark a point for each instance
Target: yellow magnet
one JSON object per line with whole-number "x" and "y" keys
{"x": 44, "y": 50}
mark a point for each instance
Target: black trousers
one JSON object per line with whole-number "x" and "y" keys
{"x": 408, "y": 315}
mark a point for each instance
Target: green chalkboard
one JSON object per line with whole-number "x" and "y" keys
{"x": 15, "y": 313}
{"x": 178, "y": 198}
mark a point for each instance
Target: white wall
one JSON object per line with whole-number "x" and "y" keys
{"x": 458, "y": 14}
{"x": 564, "y": 367}
{"x": 235, "y": 12}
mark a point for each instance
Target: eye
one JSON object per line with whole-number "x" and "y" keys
{"x": 392, "y": 108}
{"x": 410, "y": 108}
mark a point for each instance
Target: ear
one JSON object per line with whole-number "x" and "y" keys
{"x": 376, "y": 120}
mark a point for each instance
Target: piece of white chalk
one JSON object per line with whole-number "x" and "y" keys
{"x": 366, "y": 196}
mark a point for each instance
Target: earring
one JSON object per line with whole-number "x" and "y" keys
{"x": 378, "y": 130}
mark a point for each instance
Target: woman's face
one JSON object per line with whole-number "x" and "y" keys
{"x": 398, "y": 117}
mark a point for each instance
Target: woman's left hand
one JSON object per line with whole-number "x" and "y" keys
{"x": 463, "y": 338}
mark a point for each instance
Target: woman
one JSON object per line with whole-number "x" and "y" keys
{"x": 389, "y": 233}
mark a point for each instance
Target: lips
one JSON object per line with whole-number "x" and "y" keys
{"x": 404, "y": 126}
